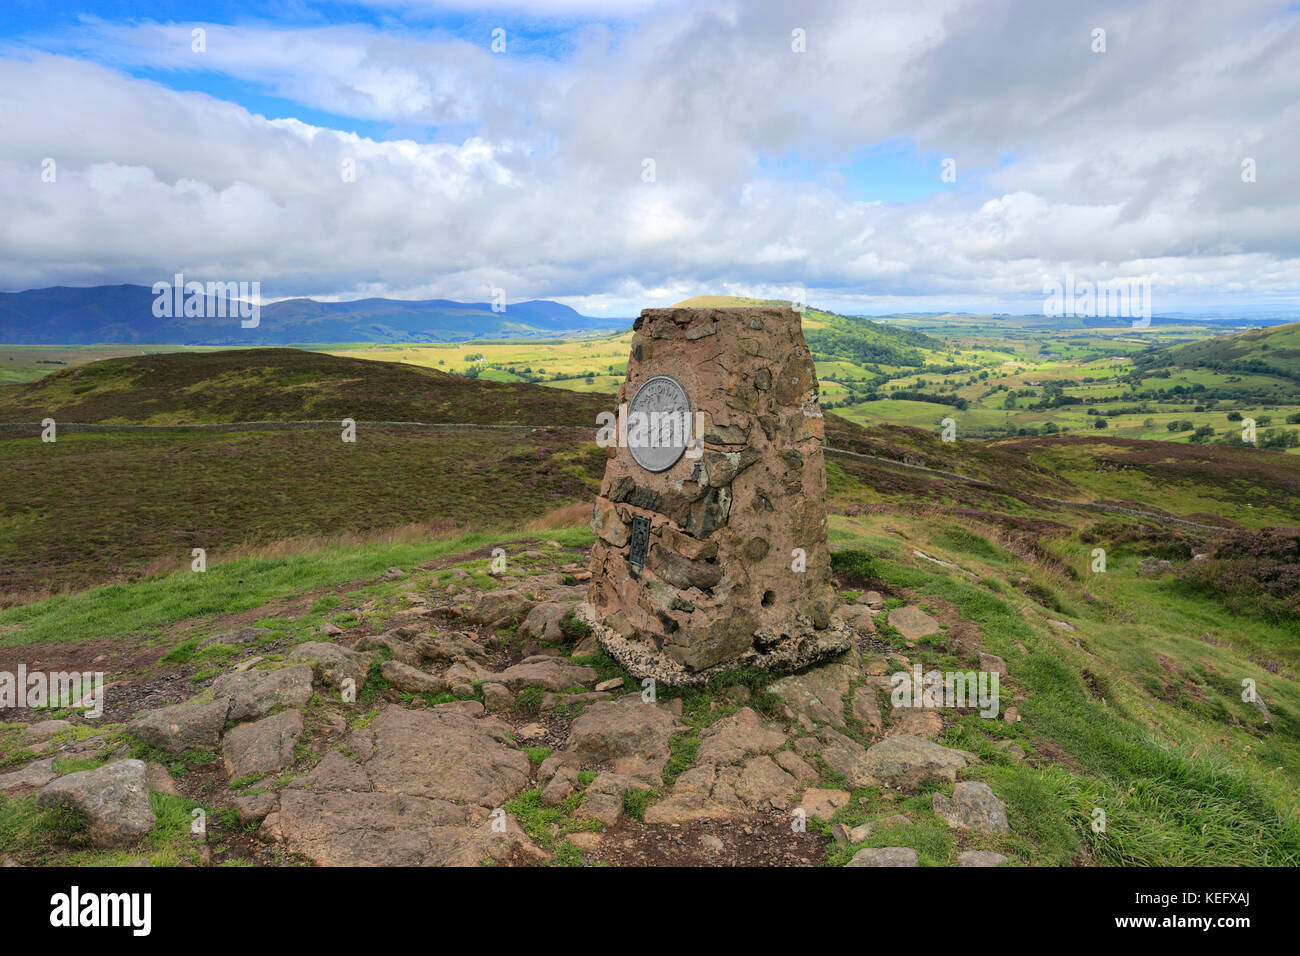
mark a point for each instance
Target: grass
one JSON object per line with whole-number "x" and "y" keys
{"x": 56, "y": 838}
{"x": 1179, "y": 782}
{"x": 91, "y": 507}
{"x": 548, "y": 826}
{"x": 152, "y": 605}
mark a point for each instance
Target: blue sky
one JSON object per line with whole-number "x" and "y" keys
{"x": 383, "y": 148}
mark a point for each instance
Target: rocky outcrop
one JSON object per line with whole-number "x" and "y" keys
{"x": 627, "y": 728}
{"x": 504, "y": 604}
{"x": 36, "y": 774}
{"x": 543, "y": 622}
{"x": 904, "y": 762}
{"x": 338, "y": 828}
{"x": 411, "y": 679}
{"x": 733, "y": 738}
{"x": 440, "y": 753}
{"x": 819, "y": 691}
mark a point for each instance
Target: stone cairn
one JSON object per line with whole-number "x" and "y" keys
{"x": 715, "y": 555}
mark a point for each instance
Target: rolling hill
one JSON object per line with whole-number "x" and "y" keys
{"x": 275, "y": 384}
{"x": 833, "y": 337}
{"x": 125, "y": 313}
{"x": 1271, "y": 351}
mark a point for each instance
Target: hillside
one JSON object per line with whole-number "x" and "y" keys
{"x": 125, "y": 313}
{"x": 129, "y": 502}
{"x": 282, "y": 385}
{"x": 1122, "y": 695}
{"x": 840, "y": 338}
{"x": 1270, "y": 351}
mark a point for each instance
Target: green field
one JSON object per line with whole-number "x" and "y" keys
{"x": 995, "y": 377}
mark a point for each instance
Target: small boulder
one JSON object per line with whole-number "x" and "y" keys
{"x": 605, "y": 807}
{"x": 764, "y": 785}
{"x": 609, "y": 730}
{"x": 885, "y": 856}
{"x": 334, "y": 664}
{"x": 821, "y": 803}
{"x": 912, "y": 622}
{"x": 410, "y": 679}
{"x": 497, "y": 696}
{"x": 160, "y": 780}
{"x": 980, "y": 858}
{"x": 254, "y": 807}
{"x": 1154, "y": 566}
{"x": 36, "y": 774}
{"x": 256, "y": 693}
{"x": 904, "y": 762}
{"x": 550, "y": 673}
{"x": 499, "y": 605}
{"x": 402, "y": 650}
{"x": 543, "y": 622}
{"x": 114, "y": 799}
{"x": 917, "y": 721}
{"x": 561, "y": 785}
{"x": 182, "y": 727}
{"x": 856, "y": 616}
{"x": 262, "y": 747}
{"x": 972, "y": 806}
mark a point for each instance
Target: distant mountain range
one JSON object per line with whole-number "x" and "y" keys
{"x": 65, "y": 315}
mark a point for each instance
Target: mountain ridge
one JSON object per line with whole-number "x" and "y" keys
{"x": 116, "y": 314}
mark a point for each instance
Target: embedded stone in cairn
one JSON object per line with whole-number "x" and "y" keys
{"x": 711, "y": 518}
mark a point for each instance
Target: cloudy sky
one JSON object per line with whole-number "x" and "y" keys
{"x": 622, "y": 154}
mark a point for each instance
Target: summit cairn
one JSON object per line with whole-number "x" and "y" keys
{"x": 711, "y": 517}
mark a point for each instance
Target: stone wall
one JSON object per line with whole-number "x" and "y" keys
{"x": 718, "y": 587}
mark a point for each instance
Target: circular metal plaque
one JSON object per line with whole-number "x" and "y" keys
{"x": 659, "y": 423}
